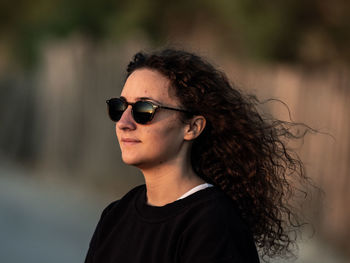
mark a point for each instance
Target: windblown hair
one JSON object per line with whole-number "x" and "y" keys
{"x": 240, "y": 151}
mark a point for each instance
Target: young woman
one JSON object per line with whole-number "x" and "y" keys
{"x": 215, "y": 171}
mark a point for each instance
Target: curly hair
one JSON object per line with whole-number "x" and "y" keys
{"x": 240, "y": 151}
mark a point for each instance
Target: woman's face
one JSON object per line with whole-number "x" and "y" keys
{"x": 160, "y": 141}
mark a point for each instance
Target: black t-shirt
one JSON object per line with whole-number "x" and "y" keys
{"x": 203, "y": 227}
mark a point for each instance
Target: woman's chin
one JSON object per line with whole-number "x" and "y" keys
{"x": 129, "y": 160}
{"x": 139, "y": 163}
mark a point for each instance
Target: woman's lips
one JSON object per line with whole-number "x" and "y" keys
{"x": 129, "y": 141}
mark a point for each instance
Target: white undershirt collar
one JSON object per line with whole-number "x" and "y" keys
{"x": 195, "y": 189}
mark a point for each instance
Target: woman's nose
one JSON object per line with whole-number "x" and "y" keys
{"x": 126, "y": 120}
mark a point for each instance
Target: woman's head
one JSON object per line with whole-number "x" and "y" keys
{"x": 149, "y": 139}
{"x": 239, "y": 151}
{"x": 206, "y": 91}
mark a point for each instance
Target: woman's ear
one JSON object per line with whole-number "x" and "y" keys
{"x": 194, "y": 128}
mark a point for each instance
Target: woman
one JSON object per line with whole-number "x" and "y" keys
{"x": 215, "y": 170}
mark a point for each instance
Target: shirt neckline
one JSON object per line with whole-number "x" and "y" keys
{"x": 155, "y": 214}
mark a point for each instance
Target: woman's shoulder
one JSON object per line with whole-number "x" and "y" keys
{"x": 215, "y": 206}
{"x": 132, "y": 194}
{"x": 112, "y": 208}
{"x": 214, "y": 219}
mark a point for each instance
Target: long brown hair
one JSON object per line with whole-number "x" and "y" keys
{"x": 239, "y": 151}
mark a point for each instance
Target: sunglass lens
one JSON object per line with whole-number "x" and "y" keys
{"x": 143, "y": 112}
{"x": 116, "y": 107}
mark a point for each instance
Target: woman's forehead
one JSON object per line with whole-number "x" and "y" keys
{"x": 146, "y": 83}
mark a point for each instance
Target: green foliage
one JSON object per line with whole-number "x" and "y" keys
{"x": 289, "y": 30}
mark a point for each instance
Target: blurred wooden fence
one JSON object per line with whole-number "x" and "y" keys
{"x": 71, "y": 128}
{"x": 321, "y": 100}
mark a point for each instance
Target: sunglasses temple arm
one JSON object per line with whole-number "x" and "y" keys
{"x": 168, "y": 108}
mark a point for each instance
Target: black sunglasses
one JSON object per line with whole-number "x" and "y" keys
{"x": 142, "y": 111}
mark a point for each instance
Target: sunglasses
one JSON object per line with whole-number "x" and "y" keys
{"x": 142, "y": 111}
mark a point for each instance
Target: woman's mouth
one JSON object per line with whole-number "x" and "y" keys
{"x": 129, "y": 141}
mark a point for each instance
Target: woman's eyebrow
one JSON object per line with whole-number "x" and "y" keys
{"x": 147, "y": 98}
{"x": 143, "y": 98}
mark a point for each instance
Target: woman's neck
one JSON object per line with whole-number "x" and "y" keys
{"x": 166, "y": 184}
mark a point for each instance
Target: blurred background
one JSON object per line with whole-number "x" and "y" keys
{"x": 60, "y": 60}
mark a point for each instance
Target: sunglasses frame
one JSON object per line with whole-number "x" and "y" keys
{"x": 155, "y": 107}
